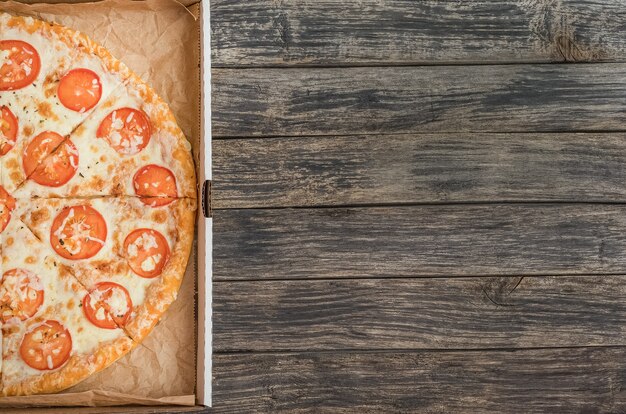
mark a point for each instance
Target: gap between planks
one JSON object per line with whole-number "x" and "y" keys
{"x": 410, "y": 350}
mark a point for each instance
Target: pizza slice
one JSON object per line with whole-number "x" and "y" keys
{"x": 50, "y": 81}
{"x": 27, "y": 61}
{"x": 50, "y": 342}
{"x": 130, "y": 256}
{"x": 130, "y": 145}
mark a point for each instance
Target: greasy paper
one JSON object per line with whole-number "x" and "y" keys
{"x": 159, "y": 40}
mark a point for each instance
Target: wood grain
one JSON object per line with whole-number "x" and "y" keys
{"x": 426, "y": 168}
{"x": 459, "y": 295}
{"x": 460, "y": 313}
{"x": 344, "y": 101}
{"x": 522, "y": 381}
{"x": 400, "y": 32}
{"x": 462, "y": 240}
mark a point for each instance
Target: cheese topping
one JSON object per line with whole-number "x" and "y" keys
{"x": 150, "y": 263}
{"x": 144, "y": 242}
{"x": 37, "y": 336}
{"x": 117, "y": 124}
{"x": 100, "y": 314}
{"x": 26, "y": 66}
{"x": 79, "y": 232}
{"x": 19, "y": 286}
{"x": 117, "y": 302}
{"x": 126, "y": 146}
{"x": 59, "y": 232}
{"x": 5, "y": 60}
{"x": 4, "y": 125}
{"x": 49, "y": 163}
{"x": 5, "y": 57}
{"x": 114, "y": 298}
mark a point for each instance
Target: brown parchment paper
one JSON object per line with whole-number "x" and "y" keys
{"x": 159, "y": 40}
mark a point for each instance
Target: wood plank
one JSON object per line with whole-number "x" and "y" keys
{"x": 361, "y": 170}
{"x": 124, "y": 409}
{"x": 392, "y": 32}
{"x": 344, "y": 101}
{"x": 458, "y": 313}
{"x": 522, "y": 381}
{"x": 460, "y": 240}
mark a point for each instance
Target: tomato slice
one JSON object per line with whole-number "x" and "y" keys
{"x": 78, "y": 232}
{"x": 46, "y": 346}
{"x": 126, "y": 130}
{"x": 59, "y": 167}
{"x": 19, "y": 64}
{"x": 38, "y": 149}
{"x": 21, "y": 294}
{"x": 108, "y": 305}
{"x": 147, "y": 252}
{"x": 50, "y": 160}
{"x": 7, "y": 204}
{"x": 8, "y": 130}
{"x": 79, "y": 90}
{"x": 155, "y": 185}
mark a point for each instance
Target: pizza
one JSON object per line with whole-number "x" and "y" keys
{"x": 97, "y": 207}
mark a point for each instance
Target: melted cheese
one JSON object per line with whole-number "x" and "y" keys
{"x": 122, "y": 216}
{"x": 117, "y": 303}
{"x": 94, "y": 176}
{"x": 146, "y": 242}
{"x": 62, "y": 299}
{"x": 59, "y": 232}
{"x": 130, "y": 146}
{"x": 79, "y": 232}
{"x": 150, "y": 263}
{"x": 100, "y": 314}
{"x": 16, "y": 288}
{"x": 5, "y": 57}
{"x": 56, "y": 58}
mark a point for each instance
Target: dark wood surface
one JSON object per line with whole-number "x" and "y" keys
{"x": 419, "y": 241}
{"x": 419, "y": 168}
{"x": 400, "y": 32}
{"x": 448, "y": 313}
{"x": 497, "y": 381}
{"x": 384, "y": 100}
{"x": 419, "y": 206}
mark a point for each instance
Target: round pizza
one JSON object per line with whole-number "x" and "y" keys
{"x": 97, "y": 201}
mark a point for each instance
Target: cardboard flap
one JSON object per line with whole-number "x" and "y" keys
{"x": 205, "y": 261}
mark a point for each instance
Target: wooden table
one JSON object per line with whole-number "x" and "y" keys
{"x": 419, "y": 206}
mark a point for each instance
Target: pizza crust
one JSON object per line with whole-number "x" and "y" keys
{"x": 75, "y": 370}
{"x": 165, "y": 121}
{"x": 71, "y": 38}
{"x": 162, "y": 293}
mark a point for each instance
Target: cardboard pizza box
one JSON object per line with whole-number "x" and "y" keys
{"x": 201, "y": 268}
